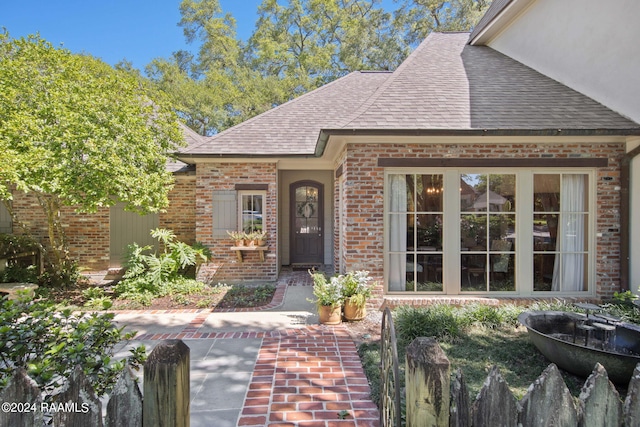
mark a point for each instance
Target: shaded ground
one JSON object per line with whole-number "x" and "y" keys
{"x": 239, "y": 296}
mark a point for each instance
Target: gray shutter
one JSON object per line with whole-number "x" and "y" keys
{"x": 225, "y": 214}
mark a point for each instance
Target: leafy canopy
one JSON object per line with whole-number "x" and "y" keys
{"x": 76, "y": 130}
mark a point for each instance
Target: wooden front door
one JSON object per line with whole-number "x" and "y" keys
{"x": 307, "y": 220}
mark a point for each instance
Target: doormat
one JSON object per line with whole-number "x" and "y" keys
{"x": 306, "y": 267}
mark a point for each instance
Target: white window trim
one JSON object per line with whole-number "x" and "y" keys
{"x": 262, "y": 193}
{"x": 524, "y": 227}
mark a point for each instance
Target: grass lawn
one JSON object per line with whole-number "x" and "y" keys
{"x": 474, "y": 339}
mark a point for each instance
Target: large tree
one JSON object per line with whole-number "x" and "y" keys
{"x": 76, "y": 132}
{"x": 296, "y": 46}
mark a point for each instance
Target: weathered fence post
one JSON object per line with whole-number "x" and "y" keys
{"x": 632, "y": 402}
{"x": 79, "y": 406}
{"x": 495, "y": 404}
{"x": 599, "y": 401}
{"x": 166, "y": 386}
{"x": 125, "y": 404}
{"x": 427, "y": 384}
{"x": 21, "y": 390}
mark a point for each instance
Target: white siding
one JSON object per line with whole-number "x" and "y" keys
{"x": 589, "y": 45}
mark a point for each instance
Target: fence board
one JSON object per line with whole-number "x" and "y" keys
{"x": 599, "y": 401}
{"x": 124, "y": 408}
{"x": 495, "y": 405}
{"x": 80, "y": 406}
{"x": 21, "y": 390}
{"x": 460, "y": 415}
{"x": 632, "y": 401}
{"x": 548, "y": 402}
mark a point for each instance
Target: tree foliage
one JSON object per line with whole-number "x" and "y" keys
{"x": 76, "y": 132}
{"x": 296, "y": 46}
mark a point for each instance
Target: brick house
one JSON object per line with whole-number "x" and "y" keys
{"x": 492, "y": 163}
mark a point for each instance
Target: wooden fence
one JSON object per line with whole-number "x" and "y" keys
{"x": 433, "y": 398}
{"x": 165, "y": 403}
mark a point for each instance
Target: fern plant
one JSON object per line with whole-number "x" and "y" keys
{"x": 150, "y": 275}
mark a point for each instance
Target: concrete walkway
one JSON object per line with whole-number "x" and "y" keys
{"x": 273, "y": 366}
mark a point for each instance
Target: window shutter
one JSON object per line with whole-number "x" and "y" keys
{"x": 5, "y": 219}
{"x": 225, "y": 216}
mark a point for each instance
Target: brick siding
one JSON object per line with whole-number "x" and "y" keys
{"x": 364, "y": 182}
{"x": 225, "y": 266}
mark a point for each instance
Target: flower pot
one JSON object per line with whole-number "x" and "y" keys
{"x": 353, "y": 312}
{"x": 330, "y": 315}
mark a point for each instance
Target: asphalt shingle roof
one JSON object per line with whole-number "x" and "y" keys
{"x": 444, "y": 85}
{"x": 293, "y": 128}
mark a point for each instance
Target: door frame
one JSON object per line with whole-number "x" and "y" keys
{"x": 292, "y": 218}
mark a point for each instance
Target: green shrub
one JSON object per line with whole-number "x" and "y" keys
{"x": 150, "y": 275}
{"x": 49, "y": 344}
{"x": 15, "y": 273}
{"x": 440, "y": 321}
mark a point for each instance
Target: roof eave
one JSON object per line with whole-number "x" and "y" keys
{"x": 325, "y": 134}
{"x": 485, "y": 32}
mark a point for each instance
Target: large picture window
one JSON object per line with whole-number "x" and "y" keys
{"x": 468, "y": 232}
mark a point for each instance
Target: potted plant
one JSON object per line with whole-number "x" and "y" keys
{"x": 356, "y": 289}
{"x": 328, "y": 298}
{"x": 237, "y": 237}
{"x": 260, "y": 238}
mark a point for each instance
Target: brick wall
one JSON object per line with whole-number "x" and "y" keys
{"x": 364, "y": 182}
{"x": 180, "y": 216}
{"x": 88, "y": 234}
{"x": 225, "y": 267}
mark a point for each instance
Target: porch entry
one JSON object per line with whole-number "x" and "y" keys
{"x": 306, "y": 219}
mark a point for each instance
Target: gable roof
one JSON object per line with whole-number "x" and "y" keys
{"x": 293, "y": 127}
{"x": 444, "y": 87}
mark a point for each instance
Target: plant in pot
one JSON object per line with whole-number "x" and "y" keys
{"x": 260, "y": 238}
{"x": 356, "y": 289}
{"x": 237, "y": 237}
{"x": 328, "y": 298}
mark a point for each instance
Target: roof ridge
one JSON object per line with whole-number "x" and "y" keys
{"x": 240, "y": 125}
{"x": 375, "y": 95}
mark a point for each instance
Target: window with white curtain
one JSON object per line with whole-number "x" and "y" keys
{"x": 520, "y": 232}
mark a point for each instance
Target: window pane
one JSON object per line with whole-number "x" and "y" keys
{"x": 545, "y": 231}
{"x": 502, "y": 276}
{"x": 543, "y": 271}
{"x": 429, "y": 232}
{"x": 251, "y": 212}
{"x": 561, "y": 238}
{"x": 501, "y": 196}
{"x": 502, "y": 227}
{"x": 429, "y": 193}
{"x": 430, "y": 274}
{"x": 546, "y": 193}
{"x": 473, "y": 232}
{"x": 471, "y": 187}
{"x": 474, "y": 272}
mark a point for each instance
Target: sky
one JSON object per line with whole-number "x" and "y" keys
{"x": 113, "y": 30}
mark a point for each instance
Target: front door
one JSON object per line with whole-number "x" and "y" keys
{"x": 306, "y": 222}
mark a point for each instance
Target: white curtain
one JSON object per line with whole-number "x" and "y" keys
{"x": 397, "y": 232}
{"x": 568, "y": 269}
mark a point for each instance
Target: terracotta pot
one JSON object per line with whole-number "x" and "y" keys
{"x": 353, "y": 312}
{"x": 330, "y": 315}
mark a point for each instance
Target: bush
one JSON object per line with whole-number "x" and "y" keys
{"x": 151, "y": 275}
{"x": 49, "y": 344}
{"x": 440, "y": 321}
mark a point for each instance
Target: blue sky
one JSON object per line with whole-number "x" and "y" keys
{"x": 136, "y": 30}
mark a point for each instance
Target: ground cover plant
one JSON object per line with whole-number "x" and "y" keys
{"x": 477, "y": 337}
{"x": 49, "y": 343}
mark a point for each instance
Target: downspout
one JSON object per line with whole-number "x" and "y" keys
{"x": 625, "y": 217}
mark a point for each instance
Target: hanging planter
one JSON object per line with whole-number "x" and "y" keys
{"x": 330, "y": 315}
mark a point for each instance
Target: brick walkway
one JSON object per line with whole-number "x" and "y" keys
{"x": 309, "y": 380}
